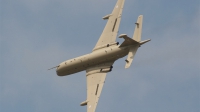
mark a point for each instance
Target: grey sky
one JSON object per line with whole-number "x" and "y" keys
{"x": 39, "y": 34}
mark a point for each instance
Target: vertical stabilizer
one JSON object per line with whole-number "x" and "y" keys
{"x": 138, "y": 29}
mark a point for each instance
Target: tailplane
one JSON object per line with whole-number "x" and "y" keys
{"x": 131, "y": 55}
{"x": 136, "y": 36}
{"x": 138, "y": 29}
{"x": 134, "y": 42}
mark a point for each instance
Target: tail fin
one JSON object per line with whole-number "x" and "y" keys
{"x": 138, "y": 29}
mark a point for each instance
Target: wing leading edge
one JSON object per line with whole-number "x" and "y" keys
{"x": 111, "y": 29}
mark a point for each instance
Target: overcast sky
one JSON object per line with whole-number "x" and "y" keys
{"x": 40, "y": 34}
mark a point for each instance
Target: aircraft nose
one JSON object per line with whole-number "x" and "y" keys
{"x": 58, "y": 70}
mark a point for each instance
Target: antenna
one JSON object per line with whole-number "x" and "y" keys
{"x": 53, "y": 67}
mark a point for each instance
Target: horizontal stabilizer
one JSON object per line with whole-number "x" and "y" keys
{"x": 138, "y": 29}
{"x": 131, "y": 55}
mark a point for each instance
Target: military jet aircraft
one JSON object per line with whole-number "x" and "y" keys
{"x": 99, "y": 62}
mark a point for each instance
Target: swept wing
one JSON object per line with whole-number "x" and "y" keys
{"x": 111, "y": 29}
{"x": 95, "y": 80}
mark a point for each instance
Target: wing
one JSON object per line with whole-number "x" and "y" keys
{"x": 111, "y": 29}
{"x": 95, "y": 80}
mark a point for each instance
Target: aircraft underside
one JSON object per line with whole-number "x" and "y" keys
{"x": 100, "y": 61}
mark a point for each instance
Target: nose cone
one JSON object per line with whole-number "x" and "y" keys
{"x": 61, "y": 70}
{"x": 58, "y": 71}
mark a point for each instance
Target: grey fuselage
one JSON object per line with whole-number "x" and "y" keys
{"x": 84, "y": 62}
